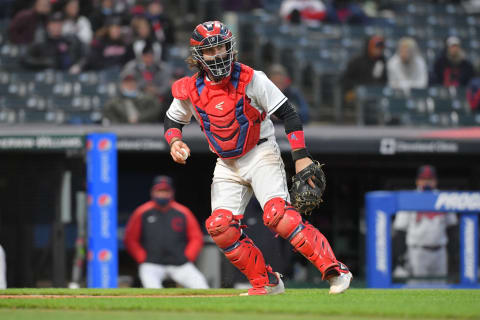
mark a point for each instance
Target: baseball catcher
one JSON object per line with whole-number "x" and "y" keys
{"x": 232, "y": 104}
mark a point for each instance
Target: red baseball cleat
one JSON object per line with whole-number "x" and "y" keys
{"x": 275, "y": 286}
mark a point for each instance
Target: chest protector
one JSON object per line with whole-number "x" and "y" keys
{"x": 230, "y": 123}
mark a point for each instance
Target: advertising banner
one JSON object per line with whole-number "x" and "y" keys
{"x": 102, "y": 268}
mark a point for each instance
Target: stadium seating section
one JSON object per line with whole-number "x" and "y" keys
{"x": 315, "y": 58}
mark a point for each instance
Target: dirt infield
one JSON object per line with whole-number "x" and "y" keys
{"x": 55, "y": 296}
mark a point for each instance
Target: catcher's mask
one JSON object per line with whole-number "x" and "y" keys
{"x": 208, "y": 35}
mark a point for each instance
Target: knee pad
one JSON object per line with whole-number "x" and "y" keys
{"x": 280, "y": 217}
{"x": 223, "y": 228}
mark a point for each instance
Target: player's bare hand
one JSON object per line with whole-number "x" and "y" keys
{"x": 301, "y": 164}
{"x": 179, "y": 151}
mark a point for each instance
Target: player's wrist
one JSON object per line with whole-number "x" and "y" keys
{"x": 298, "y": 154}
{"x": 172, "y": 135}
{"x": 296, "y": 139}
{"x": 172, "y": 142}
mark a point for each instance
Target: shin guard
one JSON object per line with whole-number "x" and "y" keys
{"x": 239, "y": 249}
{"x": 284, "y": 220}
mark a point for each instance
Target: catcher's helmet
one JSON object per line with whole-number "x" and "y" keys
{"x": 208, "y": 35}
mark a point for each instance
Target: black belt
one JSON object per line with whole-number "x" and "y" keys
{"x": 431, "y": 248}
{"x": 261, "y": 141}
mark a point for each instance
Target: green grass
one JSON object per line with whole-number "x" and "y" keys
{"x": 299, "y": 304}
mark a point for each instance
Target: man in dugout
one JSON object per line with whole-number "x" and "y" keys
{"x": 165, "y": 239}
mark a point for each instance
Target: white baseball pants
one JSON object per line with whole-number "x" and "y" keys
{"x": 426, "y": 262}
{"x": 187, "y": 275}
{"x": 260, "y": 171}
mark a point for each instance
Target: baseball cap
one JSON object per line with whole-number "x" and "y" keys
{"x": 452, "y": 41}
{"x": 426, "y": 172}
{"x": 162, "y": 183}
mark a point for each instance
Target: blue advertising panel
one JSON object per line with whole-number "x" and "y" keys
{"x": 102, "y": 268}
{"x": 378, "y": 234}
{"x": 469, "y": 249}
{"x": 382, "y": 205}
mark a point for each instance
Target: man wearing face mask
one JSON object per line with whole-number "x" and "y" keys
{"x": 424, "y": 236}
{"x": 165, "y": 239}
{"x": 131, "y": 105}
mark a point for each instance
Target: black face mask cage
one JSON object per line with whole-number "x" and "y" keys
{"x": 221, "y": 65}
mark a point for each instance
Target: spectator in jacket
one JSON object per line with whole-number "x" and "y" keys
{"x": 367, "y": 69}
{"x": 452, "y": 68}
{"x": 109, "y": 50}
{"x": 279, "y": 76}
{"x": 28, "y": 23}
{"x": 56, "y": 51}
{"x": 75, "y": 24}
{"x": 163, "y": 27}
{"x": 407, "y": 68}
{"x": 132, "y": 106}
{"x": 153, "y": 75}
{"x": 143, "y": 36}
{"x": 165, "y": 239}
{"x": 102, "y": 13}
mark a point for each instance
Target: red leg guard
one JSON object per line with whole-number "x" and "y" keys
{"x": 238, "y": 248}
{"x": 284, "y": 220}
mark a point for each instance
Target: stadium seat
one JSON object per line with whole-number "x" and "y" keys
{"x": 82, "y": 117}
{"x": 104, "y": 76}
{"x": 468, "y": 120}
{"x": 419, "y": 93}
{"x": 14, "y": 89}
{"x": 364, "y": 92}
{"x": 448, "y": 105}
{"x": 7, "y": 116}
{"x": 13, "y": 102}
{"x": 43, "y": 89}
{"x": 5, "y": 77}
{"x": 67, "y": 89}
{"x": 10, "y": 56}
{"x": 36, "y": 116}
{"x": 88, "y": 89}
{"x": 46, "y": 76}
{"x": 396, "y": 110}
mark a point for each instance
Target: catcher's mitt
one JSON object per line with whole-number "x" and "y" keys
{"x": 304, "y": 197}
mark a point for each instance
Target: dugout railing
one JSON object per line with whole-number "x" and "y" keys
{"x": 382, "y": 205}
